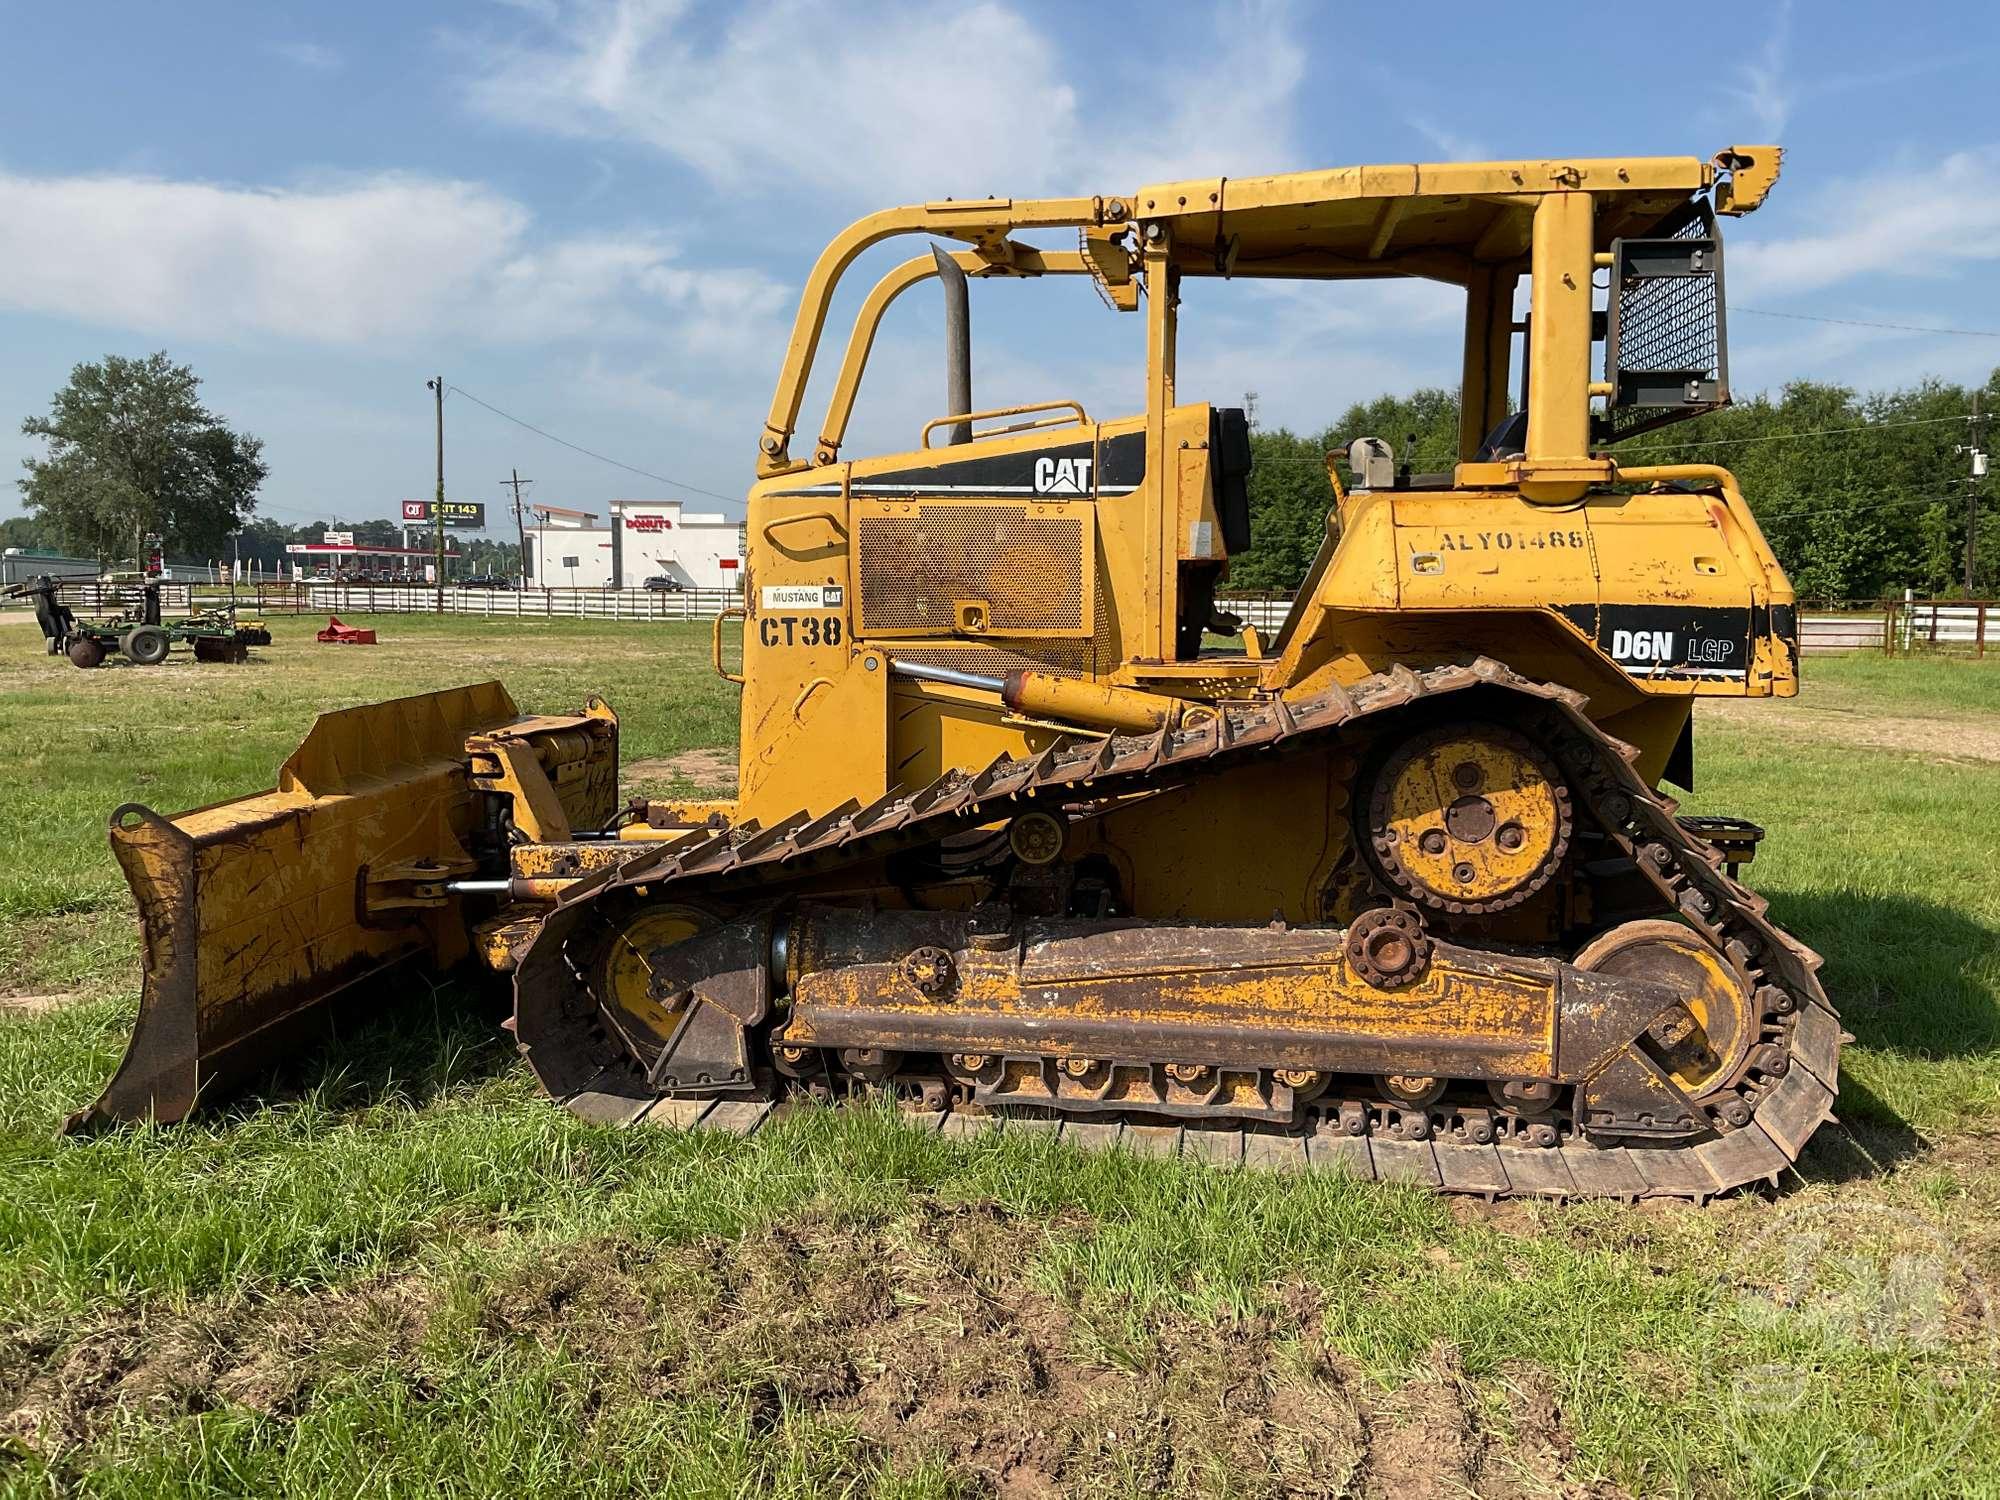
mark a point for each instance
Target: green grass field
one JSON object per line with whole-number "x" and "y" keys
{"x": 397, "y": 1270}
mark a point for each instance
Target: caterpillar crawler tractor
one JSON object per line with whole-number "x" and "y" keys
{"x": 1393, "y": 890}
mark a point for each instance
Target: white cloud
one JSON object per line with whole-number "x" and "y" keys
{"x": 1449, "y": 144}
{"x": 576, "y": 285}
{"x": 1764, "y": 92}
{"x": 892, "y": 102}
{"x": 1232, "y": 118}
{"x": 1918, "y": 223}
{"x": 1762, "y": 87}
{"x": 315, "y": 57}
{"x": 383, "y": 259}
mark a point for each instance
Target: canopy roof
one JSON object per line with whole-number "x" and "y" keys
{"x": 1463, "y": 222}
{"x": 1411, "y": 219}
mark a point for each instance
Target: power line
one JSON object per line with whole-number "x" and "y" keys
{"x": 1769, "y": 437}
{"x": 590, "y": 453}
{"x": 1781, "y": 437}
{"x": 1802, "y": 508}
{"x": 1964, "y": 333}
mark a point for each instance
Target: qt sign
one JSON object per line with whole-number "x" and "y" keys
{"x": 464, "y": 515}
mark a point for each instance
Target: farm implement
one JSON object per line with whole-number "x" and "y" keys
{"x": 140, "y": 634}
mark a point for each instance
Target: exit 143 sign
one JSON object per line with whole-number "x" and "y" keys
{"x": 468, "y": 515}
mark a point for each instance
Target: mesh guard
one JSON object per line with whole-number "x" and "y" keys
{"x": 1665, "y": 350}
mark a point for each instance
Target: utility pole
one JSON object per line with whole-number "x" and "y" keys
{"x": 437, "y": 506}
{"x": 520, "y": 527}
{"x": 1977, "y": 452}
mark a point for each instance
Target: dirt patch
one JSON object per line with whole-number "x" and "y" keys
{"x": 47, "y": 962}
{"x": 926, "y": 1334}
{"x": 34, "y": 1005}
{"x": 59, "y": 1389}
{"x": 1430, "y": 1440}
{"x": 703, "y": 768}
{"x": 1944, "y": 739}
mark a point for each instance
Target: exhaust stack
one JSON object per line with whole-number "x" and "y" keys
{"x": 957, "y": 345}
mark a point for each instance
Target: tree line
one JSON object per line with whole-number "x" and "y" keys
{"x": 1860, "y": 495}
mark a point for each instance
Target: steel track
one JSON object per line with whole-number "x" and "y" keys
{"x": 1783, "y": 1098}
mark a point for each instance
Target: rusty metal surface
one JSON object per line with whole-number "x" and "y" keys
{"x": 259, "y": 914}
{"x": 1240, "y": 998}
{"x": 1497, "y": 823}
{"x": 575, "y": 1057}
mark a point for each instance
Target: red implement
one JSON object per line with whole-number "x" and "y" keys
{"x": 345, "y": 635}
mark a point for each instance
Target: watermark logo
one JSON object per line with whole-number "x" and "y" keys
{"x": 1873, "y": 1352}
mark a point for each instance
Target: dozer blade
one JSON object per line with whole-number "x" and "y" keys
{"x": 256, "y": 913}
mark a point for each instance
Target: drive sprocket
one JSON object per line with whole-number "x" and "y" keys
{"x": 1467, "y": 817}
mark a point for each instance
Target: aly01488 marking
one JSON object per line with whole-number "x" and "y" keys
{"x": 1509, "y": 541}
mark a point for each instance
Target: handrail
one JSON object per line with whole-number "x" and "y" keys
{"x": 832, "y": 518}
{"x": 979, "y": 221}
{"x": 969, "y": 417}
{"x": 736, "y": 611}
{"x": 987, "y": 223}
{"x": 1027, "y": 263}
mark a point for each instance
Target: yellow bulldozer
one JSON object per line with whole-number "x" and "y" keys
{"x": 1030, "y": 835}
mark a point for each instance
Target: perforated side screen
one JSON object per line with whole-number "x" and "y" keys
{"x": 1666, "y": 355}
{"x": 917, "y": 564}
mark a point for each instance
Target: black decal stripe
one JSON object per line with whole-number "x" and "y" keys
{"x": 1669, "y": 641}
{"x": 1120, "y": 467}
{"x": 1121, "y": 463}
{"x": 920, "y": 491}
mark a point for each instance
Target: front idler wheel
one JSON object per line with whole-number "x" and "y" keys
{"x": 1705, "y": 1043}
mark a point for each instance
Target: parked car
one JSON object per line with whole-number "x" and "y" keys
{"x": 663, "y": 583}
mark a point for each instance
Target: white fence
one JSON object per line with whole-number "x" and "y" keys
{"x": 1832, "y": 634}
{"x": 1933, "y": 625}
{"x": 636, "y": 606}
{"x": 1920, "y": 625}
{"x": 1266, "y": 611}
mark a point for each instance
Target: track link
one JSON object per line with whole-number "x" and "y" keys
{"x": 1759, "y": 1126}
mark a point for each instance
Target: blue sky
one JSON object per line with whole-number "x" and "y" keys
{"x": 596, "y": 214}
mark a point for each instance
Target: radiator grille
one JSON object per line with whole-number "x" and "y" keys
{"x": 915, "y": 568}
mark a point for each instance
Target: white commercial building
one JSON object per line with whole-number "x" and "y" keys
{"x": 646, "y": 539}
